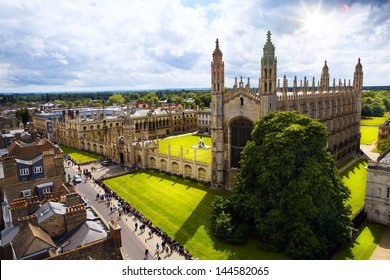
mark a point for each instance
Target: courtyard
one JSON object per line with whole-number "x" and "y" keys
{"x": 188, "y": 142}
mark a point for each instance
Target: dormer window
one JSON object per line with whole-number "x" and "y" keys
{"x": 24, "y": 171}
{"x": 38, "y": 169}
{"x": 26, "y": 193}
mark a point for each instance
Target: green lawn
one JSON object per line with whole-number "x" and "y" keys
{"x": 364, "y": 245}
{"x": 79, "y": 156}
{"x": 182, "y": 209}
{"x": 373, "y": 121}
{"x": 355, "y": 179}
{"x": 369, "y": 134}
{"x": 187, "y": 141}
{"x": 369, "y": 128}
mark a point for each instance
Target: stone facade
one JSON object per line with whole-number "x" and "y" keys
{"x": 377, "y": 199}
{"x": 111, "y": 132}
{"x": 130, "y": 138}
{"x": 235, "y": 112}
{"x": 204, "y": 121}
{"x": 384, "y": 130}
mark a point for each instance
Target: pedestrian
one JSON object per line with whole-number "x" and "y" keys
{"x": 163, "y": 245}
{"x": 146, "y": 254}
{"x": 151, "y": 234}
{"x": 167, "y": 250}
{"x": 157, "y": 248}
{"x": 135, "y": 226}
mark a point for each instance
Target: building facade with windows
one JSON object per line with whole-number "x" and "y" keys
{"x": 234, "y": 112}
{"x": 29, "y": 169}
{"x": 111, "y": 132}
{"x": 377, "y": 199}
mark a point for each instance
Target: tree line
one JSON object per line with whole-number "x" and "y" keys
{"x": 375, "y": 103}
{"x": 193, "y": 98}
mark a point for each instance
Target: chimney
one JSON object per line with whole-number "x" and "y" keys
{"x": 32, "y": 219}
{"x": 115, "y": 232}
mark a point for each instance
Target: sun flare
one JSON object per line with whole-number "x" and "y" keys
{"x": 314, "y": 20}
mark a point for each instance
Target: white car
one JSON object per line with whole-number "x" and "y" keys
{"x": 77, "y": 179}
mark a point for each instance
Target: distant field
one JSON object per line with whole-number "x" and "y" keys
{"x": 79, "y": 156}
{"x": 355, "y": 179}
{"x": 373, "y": 121}
{"x": 182, "y": 209}
{"x": 364, "y": 245}
{"x": 369, "y": 129}
{"x": 187, "y": 141}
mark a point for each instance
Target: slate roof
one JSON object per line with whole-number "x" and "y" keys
{"x": 88, "y": 232}
{"x": 31, "y": 239}
{"x": 49, "y": 209}
{"x": 31, "y": 150}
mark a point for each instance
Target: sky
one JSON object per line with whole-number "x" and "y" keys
{"x": 77, "y": 45}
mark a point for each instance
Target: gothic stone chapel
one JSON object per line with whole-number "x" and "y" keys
{"x": 235, "y": 112}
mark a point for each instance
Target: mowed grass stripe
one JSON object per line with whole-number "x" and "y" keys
{"x": 79, "y": 156}
{"x": 155, "y": 197}
{"x": 364, "y": 245}
{"x": 355, "y": 179}
{"x": 369, "y": 134}
{"x": 182, "y": 208}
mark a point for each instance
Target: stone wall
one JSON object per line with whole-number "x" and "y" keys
{"x": 75, "y": 215}
{"x": 377, "y": 204}
{"x": 54, "y": 225}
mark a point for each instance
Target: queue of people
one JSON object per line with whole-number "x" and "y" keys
{"x": 168, "y": 244}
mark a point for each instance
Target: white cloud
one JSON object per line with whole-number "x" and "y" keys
{"x": 132, "y": 44}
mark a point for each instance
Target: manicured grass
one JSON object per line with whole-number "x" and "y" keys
{"x": 354, "y": 178}
{"x": 369, "y": 128}
{"x": 187, "y": 141}
{"x": 373, "y": 121}
{"x": 182, "y": 209}
{"x": 364, "y": 245}
{"x": 369, "y": 134}
{"x": 79, "y": 156}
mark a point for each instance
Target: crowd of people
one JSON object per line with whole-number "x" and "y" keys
{"x": 168, "y": 244}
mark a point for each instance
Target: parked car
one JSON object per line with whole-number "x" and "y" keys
{"x": 105, "y": 163}
{"x": 77, "y": 178}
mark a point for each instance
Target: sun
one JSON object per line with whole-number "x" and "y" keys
{"x": 314, "y": 23}
{"x": 313, "y": 20}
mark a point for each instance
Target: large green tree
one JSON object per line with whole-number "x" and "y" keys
{"x": 288, "y": 189}
{"x": 23, "y": 115}
{"x": 116, "y": 99}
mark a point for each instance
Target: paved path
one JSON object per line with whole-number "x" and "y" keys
{"x": 134, "y": 243}
{"x": 368, "y": 150}
{"x": 382, "y": 251}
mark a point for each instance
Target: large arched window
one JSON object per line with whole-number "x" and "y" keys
{"x": 240, "y": 131}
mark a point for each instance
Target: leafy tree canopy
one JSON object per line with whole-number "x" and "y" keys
{"x": 288, "y": 189}
{"x": 23, "y": 115}
{"x": 116, "y": 98}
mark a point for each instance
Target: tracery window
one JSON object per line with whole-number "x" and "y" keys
{"x": 240, "y": 131}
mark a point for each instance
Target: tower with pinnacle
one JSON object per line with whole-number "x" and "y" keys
{"x": 217, "y": 129}
{"x": 267, "y": 81}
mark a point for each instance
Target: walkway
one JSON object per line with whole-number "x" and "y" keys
{"x": 368, "y": 150}
{"x": 382, "y": 251}
{"x": 134, "y": 242}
